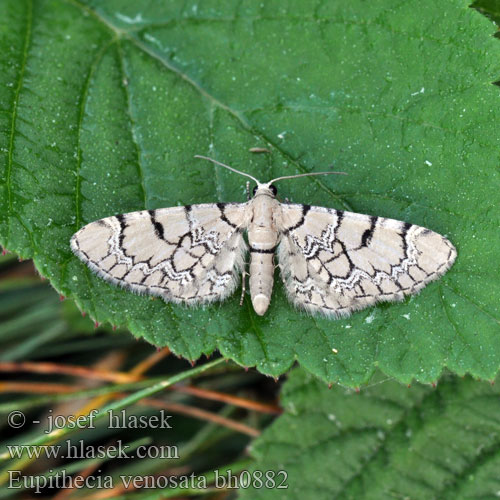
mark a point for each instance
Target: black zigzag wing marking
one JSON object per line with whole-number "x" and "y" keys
{"x": 158, "y": 227}
{"x": 368, "y": 234}
{"x": 304, "y": 210}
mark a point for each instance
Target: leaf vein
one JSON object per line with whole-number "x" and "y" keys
{"x": 126, "y": 79}
{"x": 81, "y": 113}
{"x": 8, "y": 176}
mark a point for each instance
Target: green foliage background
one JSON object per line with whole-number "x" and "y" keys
{"x": 389, "y": 441}
{"x": 104, "y": 105}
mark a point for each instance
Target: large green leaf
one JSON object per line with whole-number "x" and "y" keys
{"x": 104, "y": 104}
{"x": 389, "y": 441}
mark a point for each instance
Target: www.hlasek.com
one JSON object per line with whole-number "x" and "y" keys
{"x": 256, "y": 479}
{"x": 80, "y": 451}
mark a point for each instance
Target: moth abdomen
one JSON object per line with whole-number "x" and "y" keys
{"x": 261, "y": 280}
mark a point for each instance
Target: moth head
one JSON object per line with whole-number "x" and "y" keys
{"x": 267, "y": 189}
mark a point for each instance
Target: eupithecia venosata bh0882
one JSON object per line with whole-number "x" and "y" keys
{"x": 332, "y": 262}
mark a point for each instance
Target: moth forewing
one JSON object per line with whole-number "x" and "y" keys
{"x": 192, "y": 254}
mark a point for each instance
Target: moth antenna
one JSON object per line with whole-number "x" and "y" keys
{"x": 306, "y": 175}
{"x": 226, "y": 166}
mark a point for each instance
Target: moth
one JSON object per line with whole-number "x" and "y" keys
{"x": 332, "y": 262}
